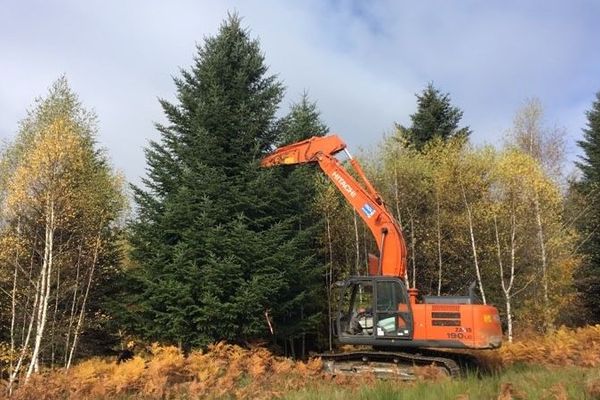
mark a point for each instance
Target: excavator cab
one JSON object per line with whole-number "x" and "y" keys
{"x": 373, "y": 309}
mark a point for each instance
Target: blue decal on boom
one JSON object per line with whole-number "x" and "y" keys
{"x": 368, "y": 210}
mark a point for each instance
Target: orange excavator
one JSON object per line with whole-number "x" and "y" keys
{"x": 378, "y": 310}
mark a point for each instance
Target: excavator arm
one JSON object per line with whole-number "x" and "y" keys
{"x": 364, "y": 199}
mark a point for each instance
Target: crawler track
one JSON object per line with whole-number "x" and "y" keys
{"x": 386, "y": 364}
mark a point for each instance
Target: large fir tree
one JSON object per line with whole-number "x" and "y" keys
{"x": 435, "y": 117}
{"x": 300, "y": 313}
{"x": 588, "y": 281}
{"x": 215, "y": 241}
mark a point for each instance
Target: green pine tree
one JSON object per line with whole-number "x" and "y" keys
{"x": 218, "y": 241}
{"x": 588, "y": 280}
{"x": 435, "y": 117}
{"x": 206, "y": 241}
{"x": 301, "y": 311}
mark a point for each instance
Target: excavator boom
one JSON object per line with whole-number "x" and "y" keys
{"x": 305, "y": 151}
{"x": 364, "y": 198}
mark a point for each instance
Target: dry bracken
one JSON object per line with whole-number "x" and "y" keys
{"x": 226, "y": 370}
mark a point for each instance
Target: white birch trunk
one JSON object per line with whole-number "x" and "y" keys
{"x": 439, "y": 243}
{"x": 29, "y": 276}
{"x": 474, "y": 246}
{"x": 73, "y": 306}
{"x": 84, "y": 302}
{"x": 12, "y": 326}
{"x": 398, "y": 214}
{"x": 53, "y": 328}
{"x": 544, "y": 260}
{"x": 413, "y": 243}
{"x": 13, "y": 312}
{"x": 45, "y": 290}
{"x": 506, "y": 289}
{"x": 509, "y": 322}
{"x": 397, "y": 196}
{"x": 25, "y": 342}
{"x": 513, "y": 250}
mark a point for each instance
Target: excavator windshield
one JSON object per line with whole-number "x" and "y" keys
{"x": 372, "y": 307}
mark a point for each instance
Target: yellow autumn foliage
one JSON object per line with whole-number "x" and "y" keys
{"x": 45, "y": 176}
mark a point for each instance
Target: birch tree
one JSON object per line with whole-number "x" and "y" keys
{"x": 41, "y": 191}
{"x": 473, "y": 181}
{"x": 61, "y": 201}
{"x": 406, "y": 180}
{"x": 545, "y": 145}
{"x": 511, "y": 195}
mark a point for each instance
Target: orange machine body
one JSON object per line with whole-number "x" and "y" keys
{"x": 430, "y": 323}
{"x": 473, "y": 326}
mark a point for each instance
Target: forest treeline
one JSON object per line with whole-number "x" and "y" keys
{"x": 211, "y": 247}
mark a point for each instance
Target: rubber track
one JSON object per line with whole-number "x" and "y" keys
{"x": 383, "y": 356}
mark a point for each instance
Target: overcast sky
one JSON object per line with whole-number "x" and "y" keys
{"x": 362, "y": 61}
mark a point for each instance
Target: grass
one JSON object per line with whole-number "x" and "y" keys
{"x": 517, "y": 382}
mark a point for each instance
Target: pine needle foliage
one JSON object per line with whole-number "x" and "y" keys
{"x": 588, "y": 188}
{"x": 435, "y": 117}
{"x": 217, "y": 241}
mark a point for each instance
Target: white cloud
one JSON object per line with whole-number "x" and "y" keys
{"x": 361, "y": 61}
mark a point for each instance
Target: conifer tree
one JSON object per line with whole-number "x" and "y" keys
{"x": 216, "y": 241}
{"x": 435, "y": 117}
{"x": 588, "y": 281}
{"x": 303, "y": 306}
